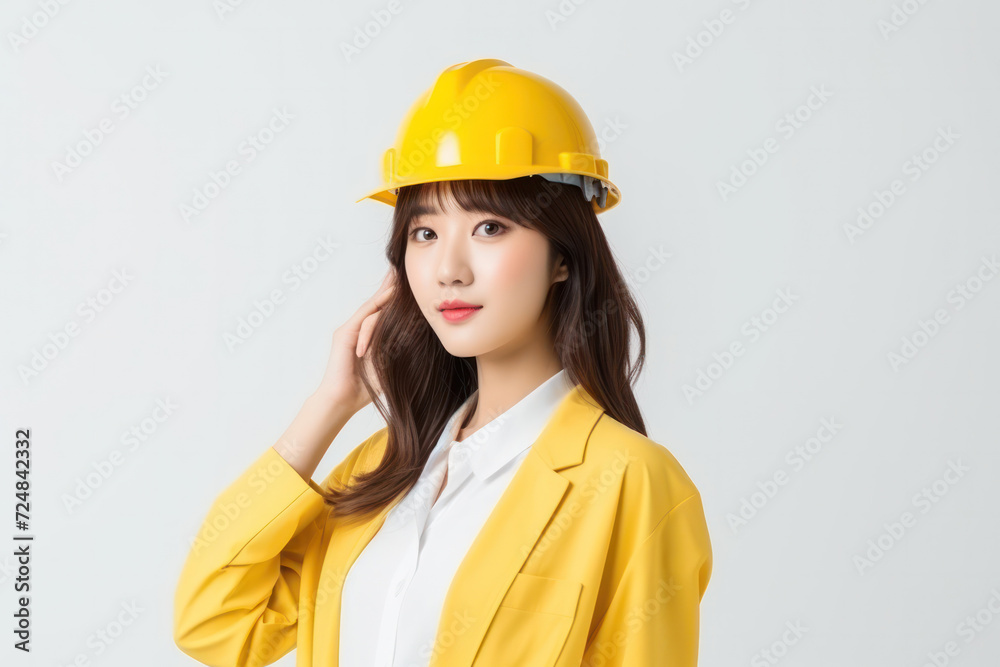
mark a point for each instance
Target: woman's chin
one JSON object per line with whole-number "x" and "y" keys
{"x": 467, "y": 343}
{"x": 464, "y": 349}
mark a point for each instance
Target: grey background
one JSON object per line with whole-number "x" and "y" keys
{"x": 676, "y": 133}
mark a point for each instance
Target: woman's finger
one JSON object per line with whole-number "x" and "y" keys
{"x": 365, "y": 334}
{"x": 369, "y": 371}
{"x": 371, "y": 306}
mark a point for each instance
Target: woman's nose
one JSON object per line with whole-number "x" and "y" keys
{"x": 453, "y": 263}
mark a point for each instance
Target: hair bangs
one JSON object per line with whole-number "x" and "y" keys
{"x": 515, "y": 199}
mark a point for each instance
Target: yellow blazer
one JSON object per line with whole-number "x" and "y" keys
{"x": 597, "y": 554}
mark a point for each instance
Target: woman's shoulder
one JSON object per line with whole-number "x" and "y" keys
{"x": 650, "y": 473}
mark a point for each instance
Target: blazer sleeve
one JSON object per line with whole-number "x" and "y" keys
{"x": 236, "y": 601}
{"x": 653, "y": 616}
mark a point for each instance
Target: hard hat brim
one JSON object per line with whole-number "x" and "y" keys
{"x": 385, "y": 195}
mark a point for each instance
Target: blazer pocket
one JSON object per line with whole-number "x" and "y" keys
{"x": 531, "y": 624}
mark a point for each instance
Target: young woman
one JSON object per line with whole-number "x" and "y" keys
{"x": 512, "y": 512}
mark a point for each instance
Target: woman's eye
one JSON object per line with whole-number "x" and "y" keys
{"x": 418, "y": 230}
{"x": 492, "y": 225}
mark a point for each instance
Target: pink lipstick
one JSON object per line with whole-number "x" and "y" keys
{"x": 457, "y": 310}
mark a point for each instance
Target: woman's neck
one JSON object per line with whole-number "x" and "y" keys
{"x": 501, "y": 391}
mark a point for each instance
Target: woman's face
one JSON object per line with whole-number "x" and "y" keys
{"x": 502, "y": 269}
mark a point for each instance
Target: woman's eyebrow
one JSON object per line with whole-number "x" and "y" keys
{"x": 420, "y": 210}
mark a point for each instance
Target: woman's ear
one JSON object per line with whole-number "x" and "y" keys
{"x": 561, "y": 271}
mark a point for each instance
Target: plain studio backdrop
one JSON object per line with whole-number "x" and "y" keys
{"x": 809, "y": 221}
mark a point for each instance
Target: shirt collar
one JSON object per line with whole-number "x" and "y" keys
{"x": 498, "y": 442}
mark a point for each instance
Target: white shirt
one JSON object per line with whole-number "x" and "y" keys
{"x": 394, "y": 592}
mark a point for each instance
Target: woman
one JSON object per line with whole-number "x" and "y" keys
{"x": 513, "y": 511}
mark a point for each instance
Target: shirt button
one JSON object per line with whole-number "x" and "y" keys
{"x": 399, "y": 588}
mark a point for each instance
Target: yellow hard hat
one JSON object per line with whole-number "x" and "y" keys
{"x": 486, "y": 119}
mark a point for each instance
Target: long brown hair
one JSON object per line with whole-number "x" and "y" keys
{"x": 590, "y": 314}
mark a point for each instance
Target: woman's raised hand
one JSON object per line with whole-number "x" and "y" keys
{"x": 341, "y": 384}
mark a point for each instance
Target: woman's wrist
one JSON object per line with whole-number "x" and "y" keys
{"x": 323, "y": 416}
{"x": 311, "y": 433}
{"x": 327, "y": 405}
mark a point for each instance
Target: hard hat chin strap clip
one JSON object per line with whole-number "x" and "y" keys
{"x": 590, "y": 187}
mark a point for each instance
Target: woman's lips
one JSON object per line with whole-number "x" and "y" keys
{"x": 459, "y": 314}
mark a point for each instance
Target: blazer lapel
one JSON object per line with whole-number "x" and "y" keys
{"x": 340, "y": 555}
{"x": 496, "y": 555}
{"x": 511, "y": 531}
